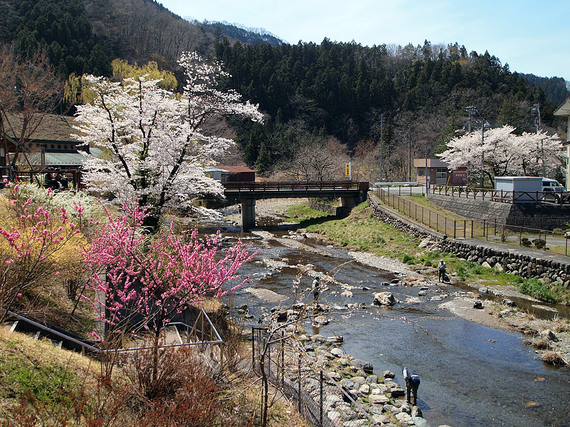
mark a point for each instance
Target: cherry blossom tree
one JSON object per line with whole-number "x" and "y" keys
{"x": 500, "y": 152}
{"x": 155, "y": 142}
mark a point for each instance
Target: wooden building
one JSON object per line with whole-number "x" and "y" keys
{"x": 438, "y": 173}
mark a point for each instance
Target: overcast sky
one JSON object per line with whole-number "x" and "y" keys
{"x": 532, "y": 37}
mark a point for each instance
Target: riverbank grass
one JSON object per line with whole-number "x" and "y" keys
{"x": 363, "y": 232}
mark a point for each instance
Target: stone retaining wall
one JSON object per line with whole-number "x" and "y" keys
{"x": 509, "y": 260}
{"x": 530, "y": 215}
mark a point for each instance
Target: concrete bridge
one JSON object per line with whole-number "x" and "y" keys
{"x": 350, "y": 194}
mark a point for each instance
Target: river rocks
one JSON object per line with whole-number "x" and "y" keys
{"x": 384, "y": 299}
{"x": 478, "y": 305}
{"x": 365, "y": 366}
{"x": 266, "y": 294}
{"x": 378, "y": 399}
{"x": 549, "y": 335}
{"x": 509, "y": 302}
{"x": 337, "y": 352}
{"x": 378, "y": 394}
{"x": 321, "y": 320}
{"x": 335, "y": 339}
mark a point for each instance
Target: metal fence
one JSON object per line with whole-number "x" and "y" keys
{"x": 321, "y": 400}
{"x": 467, "y": 228}
{"x": 501, "y": 196}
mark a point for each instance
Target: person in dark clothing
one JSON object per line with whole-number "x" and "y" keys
{"x": 442, "y": 270}
{"x": 316, "y": 288}
{"x": 412, "y": 383}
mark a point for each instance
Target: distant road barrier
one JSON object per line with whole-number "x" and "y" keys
{"x": 501, "y": 196}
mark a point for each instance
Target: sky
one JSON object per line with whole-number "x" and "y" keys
{"x": 532, "y": 37}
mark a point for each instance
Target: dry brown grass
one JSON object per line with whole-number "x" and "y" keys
{"x": 196, "y": 395}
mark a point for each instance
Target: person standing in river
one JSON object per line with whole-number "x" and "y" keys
{"x": 316, "y": 287}
{"x": 412, "y": 383}
{"x": 441, "y": 271}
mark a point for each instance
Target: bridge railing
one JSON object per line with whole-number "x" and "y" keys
{"x": 296, "y": 185}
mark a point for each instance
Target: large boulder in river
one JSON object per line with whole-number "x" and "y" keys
{"x": 384, "y": 299}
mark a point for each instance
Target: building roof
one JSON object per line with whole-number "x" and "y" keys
{"x": 431, "y": 163}
{"x": 564, "y": 109}
{"x": 52, "y": 127}
{"x": 236, "y": 169}
{"x": 56, "y": 159}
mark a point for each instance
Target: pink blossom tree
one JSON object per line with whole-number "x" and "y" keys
{"x": 141, "y": 282}
{"x": 32, "y": 237}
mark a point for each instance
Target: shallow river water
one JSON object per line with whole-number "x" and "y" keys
{"x": 471, "y": 375}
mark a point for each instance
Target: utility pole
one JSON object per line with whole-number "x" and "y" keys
{"x": 409, "y": 154}
{"x": 470, "y": 110}
{"x": 484, "y": 126}
{"x": 381, "y": 144}
{"x": 536, "y": 109}
{"x": 426, "y": 167}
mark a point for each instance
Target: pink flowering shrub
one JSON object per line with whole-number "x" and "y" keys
{"x": 141, "y": 281}
{"x": 36, "y": 243}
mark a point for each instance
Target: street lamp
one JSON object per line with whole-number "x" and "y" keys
{"x": 485, "y": 126}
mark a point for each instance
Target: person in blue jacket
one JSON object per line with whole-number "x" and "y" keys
{"x": 412, "y": 383}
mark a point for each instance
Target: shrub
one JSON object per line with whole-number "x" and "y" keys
{"x": 535, "y": 288}
{"x": 539, "y": 243}
{"x": 525, "y": 242}
{"x": 40, "y": 245}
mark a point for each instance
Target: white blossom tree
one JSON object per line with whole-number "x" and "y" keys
{"x": 502, "y": 153}
{"x": 154, "y": 142}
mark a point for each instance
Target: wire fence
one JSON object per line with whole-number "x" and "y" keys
{"x": 320, "y": 398}
{"x": 556, "y": 241}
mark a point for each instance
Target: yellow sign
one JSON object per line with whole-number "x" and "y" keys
{"x": 347, "y": 170}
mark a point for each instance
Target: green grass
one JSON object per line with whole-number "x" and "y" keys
{"x": 536, "y": 289}
{"x": 361, "y": 231}
{"x": 46, "y": 382}
{"x": 304, "y": 213}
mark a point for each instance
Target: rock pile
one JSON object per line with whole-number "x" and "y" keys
{"x": 353, "y": 391}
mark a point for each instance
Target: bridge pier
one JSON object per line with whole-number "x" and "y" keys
{"x": 347, "y": 203}
{"x": 247, "y": 213}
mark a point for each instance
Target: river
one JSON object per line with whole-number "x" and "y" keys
{"x": 471, "y": 375}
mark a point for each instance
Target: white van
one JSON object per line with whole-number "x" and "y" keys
{"x": 551, "y": 189}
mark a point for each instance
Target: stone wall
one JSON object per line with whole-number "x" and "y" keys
{"x": 545, "y": 216}
{"x": 513, "y": 261}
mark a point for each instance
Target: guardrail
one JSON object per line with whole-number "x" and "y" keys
{"x": 203, "y": 332}
{"x": 501, "y": 196}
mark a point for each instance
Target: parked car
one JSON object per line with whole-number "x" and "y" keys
{"x": 551, "y": 189}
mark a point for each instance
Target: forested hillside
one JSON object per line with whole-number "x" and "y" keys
{"x": 412, "y": 98}
{"x": 555, "y": 88}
